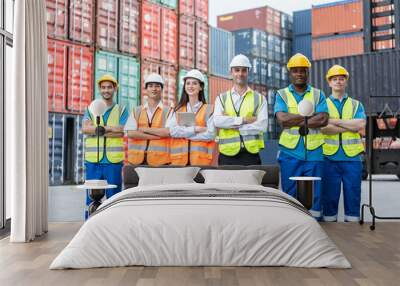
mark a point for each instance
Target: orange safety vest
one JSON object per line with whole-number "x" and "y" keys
{"x": 156, "y": 152}
{"x": 200, "y": 153}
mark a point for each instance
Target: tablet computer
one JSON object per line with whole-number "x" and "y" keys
{"x": 185, "y": 118}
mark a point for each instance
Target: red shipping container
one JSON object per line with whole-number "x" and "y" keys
{"x": 338, "y": 46}
{"x": 80, "y": 78}
{"x": 201, "y": 47}
{"x": 57, "y": 75}
{"x": 81, "y": 21}
{"x": 169, "y": 36}
{"x": 107, "y": 24}
{"x": 186, "y": 41}
{"x": 151, "y": 31}
{"x": 337, "y": 19}
{"x": 201, "y": 9}
{"x": 56, "y": 14}
{"x": 216, "y": 86}
{"x": 129, "y": 26}
{"x": 186, "y": 7}
{"x": 383, "y": 45}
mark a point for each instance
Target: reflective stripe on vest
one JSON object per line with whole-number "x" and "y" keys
{"x": 230, "y": 140}
{"x": 114, "y": 147}
{"x": 350, "y": 141}
{"x": 290, "y": 137}
{"x": 184, "y": 151}
{"x": 152, "y": 152}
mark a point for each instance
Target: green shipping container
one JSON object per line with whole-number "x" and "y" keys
{"x": 126, "y": 70}
{"x": 169, "y": 3}
{"x": 182, "y": 73}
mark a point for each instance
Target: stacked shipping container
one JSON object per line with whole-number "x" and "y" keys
{"x": 302, "y": 33}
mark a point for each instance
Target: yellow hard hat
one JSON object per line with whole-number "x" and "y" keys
{"x": 298, "y": 61}
{"x": 107, "y": 77}
{"x": 336, "y": 70}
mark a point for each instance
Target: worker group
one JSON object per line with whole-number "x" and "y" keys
{"x": 325, "y": 144}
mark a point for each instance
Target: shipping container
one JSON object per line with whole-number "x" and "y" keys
{"x": 201, "y": 46}
{"x": 126, "y": 70}
{"x": 251, "y": 42}
{"x": 66, "y": 154}
{"x": 81, "y": 21}
{"x": 337, "y": 18}
{"x": 374, "y": 74}
{"x": 169, "y": 36}
{"x": 259, "y": 71}
{"x": 182, "y": 73}
{"x": 303, "y": 44}
{"x": 274, "y": 74}
{"x": 151, "y": 31}
{"x": 57, "y": 18}
{"x": 338, "y": 46}
{"x": 186, "y": 7}
{"x": 201, "y": 10}
{"x": 129, "y": 19}
{"x": 262, "y": 89}
{"x": 107, "y": 24}
{"x": 169, "y": 3}
{"x": 218, "y": 85}
{"x": 186, "y": 41}
{"x": 168, "y": 73}
{"x": 302, "y": 22}
{"x": 222, "y": 50}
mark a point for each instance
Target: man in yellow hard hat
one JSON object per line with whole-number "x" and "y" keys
{"x": 294, "y": 158}
{"x": 108, "y": 165}
{"x": 342, "y": 149}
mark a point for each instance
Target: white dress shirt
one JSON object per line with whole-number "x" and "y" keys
{"x": 131, "y": 124}
{"x": 228, "y": 122}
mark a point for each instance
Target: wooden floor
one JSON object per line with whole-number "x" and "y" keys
{"x": 374, "y": 255}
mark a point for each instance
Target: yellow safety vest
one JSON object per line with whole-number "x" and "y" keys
{"x": 230, "y": 140}
{"x": 290, "y": 137}
{"x": 113, "y": 147}
{"x": 350, "y": 141}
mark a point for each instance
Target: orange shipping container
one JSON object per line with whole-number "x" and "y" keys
{"x": 216, "y": 86}
{"x": 107, "y": 24}
{"x": 169, "y": 36}
{"x": 186, "y": 41}
{"x": 186, "y": 7}
{"x": 129, "y": 26}
{"x": 151, "y": 31}
{"x": 201, "y": 47}
{"x": 201, "y": 9}
{"x": 338, "y": 46}
{"x": 334, "y": 18}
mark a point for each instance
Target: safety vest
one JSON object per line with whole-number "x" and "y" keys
{"x": 200, "y": 153}
{"x": 290, "y": 137}
{"x": 156, "y": 152}
{"x": 230, "y": 140}
{"x": 350, "y": 141}
{"x": 112, "y": 147}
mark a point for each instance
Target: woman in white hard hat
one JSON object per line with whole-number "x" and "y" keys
{"x": 192, "y": 145}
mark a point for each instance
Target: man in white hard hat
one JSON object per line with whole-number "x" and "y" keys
{"x": 108, "y": 166}
{"x": 148, "y": 138}
{"x": 241, "y": 114}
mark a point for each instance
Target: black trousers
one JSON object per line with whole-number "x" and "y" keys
{"x": 243, "y": 158}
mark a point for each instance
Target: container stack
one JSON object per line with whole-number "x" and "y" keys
{"x": 302, "y": 33}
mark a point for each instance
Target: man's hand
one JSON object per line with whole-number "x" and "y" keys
{"x": 200, "y": 129}
{"x": 249, "y": 119}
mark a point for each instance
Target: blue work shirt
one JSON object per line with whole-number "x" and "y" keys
{"x": 360, "y": 114}
{"x": 122, "y": 120}
{"x": 299, "y": 151}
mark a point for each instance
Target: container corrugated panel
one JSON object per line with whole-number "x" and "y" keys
{"x": 80, "y": 78}
{"x": 274, "y": 75}
{"x": 169, "y": 36}
{"x": 57, "y": 75}
{"x": 217, "y": 85}
{"x": 251, "y": 42}
{"x": 303, "y": 44}
{"x": 105, "y": 63}
{"x": 186, "y": 41}
{"x": 182, "y": 73}
{"x": 259, "y": 72}
{"x": 81, "y": 21}
{"x": 79, "y": 155}
{"x": 201, "y": 9}
{"x": 273, "y": 18}
{"x": 56, "y": 148}
{"x": 344, "y": 17}
{"x": 262, "y": 89}
{"x": 129, "y": 82}
{"x": 169, "y": 3}
{"x": 221, "y": 52}
{"x": 201, "y": 46}
{"x": 375, "y": 74}
{"x": 338, "y": 46}
{"x": 286, "y": 50}
{"x": 186, "y": 7}
{"x": 57, "y": 18}
{"x": 107, "y": 24}
{"x": 129, "y": 26}
{"x": 302, "y": 22}
{"x": 151, "y": 31}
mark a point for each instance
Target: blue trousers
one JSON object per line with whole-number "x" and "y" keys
{"x": 334, "y": 174}
{"x": 292, "y": 167}
{"x": 110, "y": 172}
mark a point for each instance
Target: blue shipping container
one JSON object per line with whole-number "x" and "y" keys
{"x": 221, "y": 52}
{"x": 251, "y": 42}
{"x": 303, "y": 44}
{"x": 259, "y": 71}
{"x": 302, "y": 22}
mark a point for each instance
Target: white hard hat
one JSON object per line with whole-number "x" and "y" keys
{"x": 154, "y": 78}
{"x": 240, "y": 61}
{"x": 196, "y": 74}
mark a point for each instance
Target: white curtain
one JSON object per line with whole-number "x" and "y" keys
{"x": 26, "y": 124}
